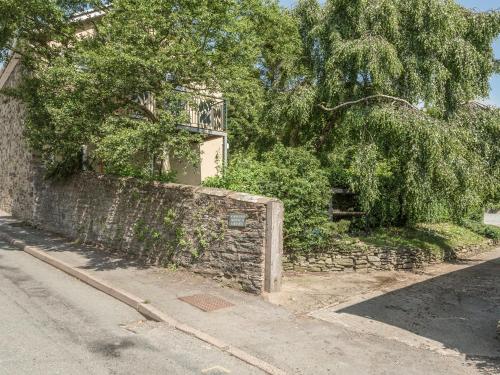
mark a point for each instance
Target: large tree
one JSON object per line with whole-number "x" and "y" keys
{"x": 382, "y": 92}
{"x": 376, "y": 90}
{"x": 99, "y": 89}
{"x": 426, "y": 53}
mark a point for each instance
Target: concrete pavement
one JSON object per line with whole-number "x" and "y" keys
{"x": 297, "y": 344}
{"x": 453, "y": 313}
{"x": 51, "y": 323}
{"x": 492, "y": 219}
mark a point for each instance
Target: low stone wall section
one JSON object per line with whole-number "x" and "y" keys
{"x": 363, "y": 257}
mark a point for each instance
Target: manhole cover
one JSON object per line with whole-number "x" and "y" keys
{"x": 206, "y": 302}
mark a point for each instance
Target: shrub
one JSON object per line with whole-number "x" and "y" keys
{"x": 293, "y": 175}
{"x": 341, "y": 227}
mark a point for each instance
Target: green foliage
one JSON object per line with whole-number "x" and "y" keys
{"x": 140, "y": 230}
{"x": 278, "y": 57}
{"x": 485, "y": 230}
{"x": 293, "y": 175}
{"x": 440, "y": 239}
{"x": 341, "y": 227}
{"x": 370, "y": 95}
{"x": 482, "y": 126}
{"x": 430, "y": 51}
{"x": 407, "y": 167}
{"x": 100, "y": 90}
{"x": 169, "y": 218}
{"x": 38, "y": 29}
{"x": 382, "y": 89}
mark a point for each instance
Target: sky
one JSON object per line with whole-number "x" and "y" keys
{"x": 479, "y": 5}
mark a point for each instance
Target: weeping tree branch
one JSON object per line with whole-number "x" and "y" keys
{"x": 128, "y": 103}
{"x": 12, "y": 47}
{"x": 146, "y": 111}
{"x": 366, "y": 99}
{"x": 326, "y": 132}
{"x": 328, "y": 128}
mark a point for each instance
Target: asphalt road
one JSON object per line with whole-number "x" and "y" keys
{"x": 51, "y": 323}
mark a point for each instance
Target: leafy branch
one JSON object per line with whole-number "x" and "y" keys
{"x": 367, "y": 99}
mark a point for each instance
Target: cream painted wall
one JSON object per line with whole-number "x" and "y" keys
{"x": 211, "y": 154}
{"x": 186, "y": 173}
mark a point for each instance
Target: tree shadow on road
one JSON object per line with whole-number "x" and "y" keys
{"x": 96, "y": 258}
{"x": 460, "y": 310}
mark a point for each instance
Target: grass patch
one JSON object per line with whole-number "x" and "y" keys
{"x": 489, "y": 231}
{"x": 436, "y": 238}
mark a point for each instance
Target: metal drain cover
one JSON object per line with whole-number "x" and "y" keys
{"x": 206, "y": 302}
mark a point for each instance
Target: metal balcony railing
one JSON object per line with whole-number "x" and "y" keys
{"x": 206, "y": 114}
{"x": 202, "y": 113}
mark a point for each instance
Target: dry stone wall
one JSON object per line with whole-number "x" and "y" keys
{"x": 162, "y": 224}
{"x": 364, "y": 257}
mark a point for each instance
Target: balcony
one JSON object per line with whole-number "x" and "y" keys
{"x": 207, "y": 115}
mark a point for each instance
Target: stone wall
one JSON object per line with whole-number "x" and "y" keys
{"x": 163, "y": 224}
{"x": 16, "y": 162}
{"x": 364, "y": 257}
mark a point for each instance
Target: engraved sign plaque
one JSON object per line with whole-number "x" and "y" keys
{"x": 237, "y": 220}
